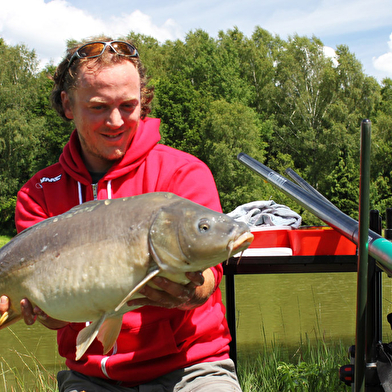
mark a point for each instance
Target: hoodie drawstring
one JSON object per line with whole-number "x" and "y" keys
{"x": 108, "y": 189}
{"x": 80, "y": 193}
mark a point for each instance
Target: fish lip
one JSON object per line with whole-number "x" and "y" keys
{"x": 240, "y": 241}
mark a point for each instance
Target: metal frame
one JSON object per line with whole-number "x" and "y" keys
{"x": 276, "y": 265}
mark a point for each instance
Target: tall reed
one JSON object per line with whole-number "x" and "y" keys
{"x": 311, "y": 367}
{"x": 28, "y": 374}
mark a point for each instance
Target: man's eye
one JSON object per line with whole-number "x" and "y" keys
{"x": 129, "y": 106}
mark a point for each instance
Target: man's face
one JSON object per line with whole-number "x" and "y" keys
{"x": 105, "y": 107}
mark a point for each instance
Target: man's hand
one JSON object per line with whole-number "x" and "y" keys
{"x": 175, "y": 295}
{"x": 30, "y": 314}
{"x": 4, "y": 304}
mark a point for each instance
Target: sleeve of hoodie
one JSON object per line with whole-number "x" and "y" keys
{"x": 29, "y": 207}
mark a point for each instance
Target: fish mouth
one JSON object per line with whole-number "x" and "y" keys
{"x": 241, "y": 243}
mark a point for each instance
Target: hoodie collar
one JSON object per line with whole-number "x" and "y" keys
{"x": 145, "y": 139}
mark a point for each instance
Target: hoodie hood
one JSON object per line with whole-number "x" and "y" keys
{"x": 145, "y": 139}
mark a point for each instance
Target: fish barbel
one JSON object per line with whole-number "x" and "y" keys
{"x": 84, "y": 265}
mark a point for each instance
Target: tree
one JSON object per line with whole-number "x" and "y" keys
{"x": 227, "y": 130}
{"x": 343, "y": 183}
{"x": 281, "y": 101}
{"x": 20, "y": 129}
{"x": 301, "y": 99}
{"x": 56, "y": 130}
{"x": 381, "y": 163}
{"x": 180, "y": 108}
{"x": 258, "y": 65}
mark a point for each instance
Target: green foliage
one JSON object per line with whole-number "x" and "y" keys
{"x": 31, "y": 134}
{"x": 56, "y": 131}
{"x": 180, "y": 107}
{"x": 30, "y": 376}
{"x": 4, "y": 239}
{"x": 313, "y": 367}
{"x": 227, "y": 130}
{"x": 343, "y": 183}
{"x": 20, "y": 129}
{"x": 281, "y": 101}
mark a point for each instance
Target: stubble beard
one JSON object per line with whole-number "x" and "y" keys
{"x": 99, "y": 157}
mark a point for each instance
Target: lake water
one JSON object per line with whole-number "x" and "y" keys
{"x": 270, "y": 308}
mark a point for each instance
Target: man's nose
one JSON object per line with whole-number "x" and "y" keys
{"x": 115, "y": 119}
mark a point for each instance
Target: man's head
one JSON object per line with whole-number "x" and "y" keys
{"x": 66, "y": 75}
{"x": 102, "y": 88}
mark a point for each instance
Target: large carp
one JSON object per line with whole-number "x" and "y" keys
{"x": 84, "y": 265}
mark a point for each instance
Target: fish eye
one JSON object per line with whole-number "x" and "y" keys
{"x": 204, "y": 225}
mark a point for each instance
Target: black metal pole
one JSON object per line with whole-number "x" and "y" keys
{"x": 230, "y": 315}
{"x": 362, "y": 274}
{"x": 374, "y": 310}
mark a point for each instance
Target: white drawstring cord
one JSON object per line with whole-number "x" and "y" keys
{"x": 109, "y": 189}
{"x": 80, "y": 193}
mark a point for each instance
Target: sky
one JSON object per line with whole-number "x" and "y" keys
{"x": 365, "y": 26}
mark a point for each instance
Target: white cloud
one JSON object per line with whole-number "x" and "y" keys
{"x": 142, "y": 23}
{"x": 383, "y": 63}
{"x": 46, "y": 27}
{"x": 331, "y": 53}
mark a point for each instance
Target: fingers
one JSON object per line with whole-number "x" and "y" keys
{"x": 26, "y": 308}
{"x": 4, "y": 304}
{"x": 178, "y": 291}
{"x": 197, "y": 278}
{"x": 168, "y": 295}
{"x": 173, "y": 295}
{"x": 27, "y": 311}
{"x": 31, "y": 314}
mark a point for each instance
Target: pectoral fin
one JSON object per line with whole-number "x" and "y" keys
{"x": 87, "y": 335}
{"x": 109, "y": 332}
{"x": 150, "y": 275}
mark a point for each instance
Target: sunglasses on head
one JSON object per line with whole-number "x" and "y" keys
{"x": 96, "y": 49}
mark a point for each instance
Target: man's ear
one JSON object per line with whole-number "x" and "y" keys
{"x": 65, "y": 99}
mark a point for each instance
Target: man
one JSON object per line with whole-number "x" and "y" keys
{"x": 179, "y": 340}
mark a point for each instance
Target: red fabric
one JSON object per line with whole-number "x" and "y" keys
{"x": 153, "y": 341}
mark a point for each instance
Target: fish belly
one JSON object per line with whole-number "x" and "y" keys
{"x": 81, "y": 284}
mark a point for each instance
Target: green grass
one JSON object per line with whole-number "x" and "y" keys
{"x": 27, "y": 374}
{"x": 311, "y": 367}
{"x": 4, "y": 239}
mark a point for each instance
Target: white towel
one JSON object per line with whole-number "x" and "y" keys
{"x": 266, "y": 213}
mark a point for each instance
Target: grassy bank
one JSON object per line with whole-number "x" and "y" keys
{"x": 26, "y": 373}
{"x": 308, "y": 368}
{"x": 4, "y": 239}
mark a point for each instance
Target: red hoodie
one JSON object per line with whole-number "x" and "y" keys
{"x": 153, "y": 341}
